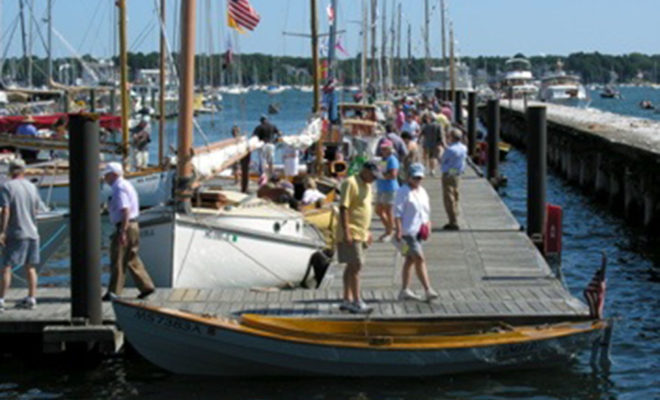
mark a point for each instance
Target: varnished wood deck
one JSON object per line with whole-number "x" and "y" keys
{"x": 488, "y": 269}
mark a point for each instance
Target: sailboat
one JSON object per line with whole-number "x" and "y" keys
{"x": 244, "y": 243}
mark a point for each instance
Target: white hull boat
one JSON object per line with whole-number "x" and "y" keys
{"x": 241, "y": 247}
{"x": 255, "y": 345}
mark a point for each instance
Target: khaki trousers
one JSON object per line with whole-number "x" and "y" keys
{"x": 450, "y": 195}
{"x": 126, "y": 257}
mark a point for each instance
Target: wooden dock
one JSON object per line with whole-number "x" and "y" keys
{"x": 488, "y": 269}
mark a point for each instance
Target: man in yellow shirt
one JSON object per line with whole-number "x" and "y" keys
{"x": 353, "y": 235}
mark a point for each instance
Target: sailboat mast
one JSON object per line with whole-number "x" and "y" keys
{"x": 383, "y": 49}
{"x": 50, "y": 43}
{"x": 398, "y": 43}
{"x": 444, "y": 50}
{"x": 363, "y": 61}
{"x": 374, "y": 15}
{"x": 409, "y": 56}
{"x": 427, "y": 48}
{"x": 185, "y": 138}
{"x": 21, "y": 12}
{"x": 315, "y": 56}
{"x": 390, "y": 59}
{"x": 123, "y": 78}
{"x": 161, "y": 93}
{"x": 452, "y": 71}
{"x": 29, "y": 55}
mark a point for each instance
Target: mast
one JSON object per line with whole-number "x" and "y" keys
{"x": 444, "y": 51}
{"x": 409, "y": 57}
{"x": 315, "y": 56}
{"x": 383, "y": 47}
{"x": 363, "y": 61}
{"x": 29, "y": 55}
{"x": 123, "y": 71}
{"x": 398, "y": 43}
{"x": 23, "y": 39}
{"x": 374, "y": 15}
{"x": 49, "y": 72}
{"x": 427, "y": 49}
{"x": 186, "y": 92}
{"x": 452, "y": 72}
{"x": 161, "y": 93}
{"x": 390, "y": 59}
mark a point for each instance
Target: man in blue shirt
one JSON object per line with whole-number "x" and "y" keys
{"x": 27, "y": 128}
{"x": 452, "y": 165}
{"x": 387, "y": 188}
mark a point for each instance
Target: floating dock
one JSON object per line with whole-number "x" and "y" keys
{"x": 489, "y": 269}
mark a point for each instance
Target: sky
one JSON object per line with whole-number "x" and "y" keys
{"x": 482, "y": 27}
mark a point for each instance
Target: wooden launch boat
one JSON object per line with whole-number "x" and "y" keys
{"x": 257, "y": 345}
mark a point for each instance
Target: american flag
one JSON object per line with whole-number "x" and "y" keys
{"x": 243, "y": 14}
{"x": 594, "y": 293}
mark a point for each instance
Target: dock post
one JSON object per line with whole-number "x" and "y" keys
{"x": 458, "y": 108}
{"x": 536, "y": 173}
{"x": 493, "y": 140}
{"x": 92, "y": 100}
{"x": 153, "y": 100}
{"x": 472, "y": 123}
{"x": 85, "y": 224}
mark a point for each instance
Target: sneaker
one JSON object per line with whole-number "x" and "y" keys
{"x": 450, "y": 227}
{"x": 386, "y": 238}
{"x": 407, "y": 294}
{"x": 109, "y": 296}
{"x": 360, "y": 307}
{"x": 145, "y": 294}
{"x": 28, "y": 303}
{"x": 431, "y": 295}
{"x": 345, "y": 305}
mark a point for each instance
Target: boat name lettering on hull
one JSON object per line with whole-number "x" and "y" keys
{"x": 168, "y": 322}
{"x": 219, "y": 235}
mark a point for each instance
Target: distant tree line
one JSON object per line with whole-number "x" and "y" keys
{"x": 266, "y": 69}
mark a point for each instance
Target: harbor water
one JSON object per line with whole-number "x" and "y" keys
{"x": 632, "y": 294}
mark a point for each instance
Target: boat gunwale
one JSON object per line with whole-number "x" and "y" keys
{"x": 380, "y": 342}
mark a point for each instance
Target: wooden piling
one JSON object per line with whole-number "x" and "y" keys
{"x": 536, "y": 172}
{"x": 493, "y": 140}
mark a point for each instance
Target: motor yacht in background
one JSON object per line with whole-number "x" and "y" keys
{"x": 561, "y": 88}
{"x": 517, "y": 81}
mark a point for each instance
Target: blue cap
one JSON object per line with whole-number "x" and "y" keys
{"x": 417, "y": 170}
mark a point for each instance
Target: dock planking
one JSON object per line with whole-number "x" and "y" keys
{"x": 488, "y": 269}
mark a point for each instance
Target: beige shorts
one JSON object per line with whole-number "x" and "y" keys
{"x": 351, "y": 253}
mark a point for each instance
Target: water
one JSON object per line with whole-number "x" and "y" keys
{"x": 633, "y": 279}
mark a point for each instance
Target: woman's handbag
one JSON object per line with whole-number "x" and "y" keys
{"x": 424, "y": 231}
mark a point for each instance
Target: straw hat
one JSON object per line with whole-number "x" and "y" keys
{"x": 28, "y": 118}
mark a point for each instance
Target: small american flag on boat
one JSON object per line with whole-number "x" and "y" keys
{"x": 594, "y": 293}
{"x": 242, "y": 14}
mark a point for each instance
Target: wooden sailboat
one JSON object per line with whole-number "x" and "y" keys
{"x": 258, "y": 345}
{"x": 249, "y": 244}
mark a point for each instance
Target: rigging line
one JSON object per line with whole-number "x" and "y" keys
{"x": 144, "y": 34}
{"x": 43, "y": 41}
{"x": 4, "y": 54}
{"x": 76, "y": 55}
{"x": 97, "y": 36}
{"x": 84, "y": 38}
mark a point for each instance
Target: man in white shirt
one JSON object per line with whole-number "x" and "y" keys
{"x": 410, "y": 125}
{"x": 124, "y": 210}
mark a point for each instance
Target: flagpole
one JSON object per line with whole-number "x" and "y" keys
{"x": 315, "y": 55}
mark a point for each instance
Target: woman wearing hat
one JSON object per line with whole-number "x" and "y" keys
{"x": 412, "y": 211}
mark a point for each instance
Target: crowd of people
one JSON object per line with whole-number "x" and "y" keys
{"x": 421, "y": 139}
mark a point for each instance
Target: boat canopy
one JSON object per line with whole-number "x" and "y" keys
{"x": 11, "y": 123}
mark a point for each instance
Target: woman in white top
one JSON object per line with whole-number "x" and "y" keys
{"x": 413, "y": 224}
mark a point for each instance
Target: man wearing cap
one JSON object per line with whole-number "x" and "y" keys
{"x": 124, "y": 209}
{"x": 352, "y": 233}
{"x": 19, "y": 199}
{"x": 141, "y": 137}
{"x": 452, "y": 165}
{"x": 267, "y": 133}
{"x": 27, "y": 128}
{"x": 387, "y": 187}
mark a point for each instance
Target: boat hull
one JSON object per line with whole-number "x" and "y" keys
{"x": 213, "y": 253}
{"x": 189, "y": 346}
